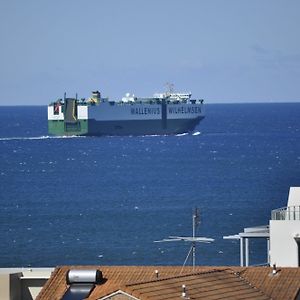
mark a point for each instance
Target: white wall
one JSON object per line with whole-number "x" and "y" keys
{"x": 283, "y": 246}
{"x": 294, "y": 196}
{"x": 10, "y": 287}
{"x": 22, "y": 284}
{"x": 4, "y": 286}
{"x": 82, "y": 112}
{"x": 52, "y": 116}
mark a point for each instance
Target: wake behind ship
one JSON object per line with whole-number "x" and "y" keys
{"x": 163, "y": 114}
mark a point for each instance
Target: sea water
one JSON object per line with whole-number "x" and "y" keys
{"x": 105, "y": 200}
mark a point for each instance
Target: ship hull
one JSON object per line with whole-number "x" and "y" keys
{"x": 141, "y": 127}
{"x": 94, "y": 127}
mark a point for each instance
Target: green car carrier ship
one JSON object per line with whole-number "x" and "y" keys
{"x": 163, "y": 114}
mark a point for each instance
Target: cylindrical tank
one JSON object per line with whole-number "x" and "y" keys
{"x": 84, "y": 276}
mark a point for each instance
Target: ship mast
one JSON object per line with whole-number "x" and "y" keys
{"x": 169, "y": 88}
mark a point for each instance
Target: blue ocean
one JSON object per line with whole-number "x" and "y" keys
{"x": 105, "y": 200}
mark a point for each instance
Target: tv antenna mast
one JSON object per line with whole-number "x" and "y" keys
{"x": 170, "y": 87}
{"x": 192, "y": 239}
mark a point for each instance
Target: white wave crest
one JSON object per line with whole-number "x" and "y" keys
{"x": 43, "y": 137}
{"x": 182, "y": 134}
{"x": 197, "y": 133}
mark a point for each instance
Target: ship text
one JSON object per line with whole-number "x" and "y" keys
{"x": 145, "y": 111}
{"x": 184, "y": 110}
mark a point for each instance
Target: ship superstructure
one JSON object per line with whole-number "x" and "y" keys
{"x": 163, "y": 114}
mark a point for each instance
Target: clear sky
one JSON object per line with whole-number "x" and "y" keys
{"x": 220, "y": 50}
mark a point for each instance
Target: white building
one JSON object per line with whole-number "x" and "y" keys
{"x": 285, "y": 232}
{"x": 22, "y": 283}
{"x": 282, "y": 235}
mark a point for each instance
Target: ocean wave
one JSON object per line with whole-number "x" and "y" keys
{"x": 196, "y": 133}
{"x": 182, "y": 134}
{"x": 43, "y": 137}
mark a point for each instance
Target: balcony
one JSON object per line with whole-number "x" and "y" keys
{"x": 289, "y": 213}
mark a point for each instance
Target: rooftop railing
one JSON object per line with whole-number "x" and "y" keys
{"x": 290, "y": 213}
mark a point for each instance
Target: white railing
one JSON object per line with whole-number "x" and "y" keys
{"x": 286, "y": 213}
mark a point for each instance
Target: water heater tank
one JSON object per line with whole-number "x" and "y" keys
{"x": 84, "y": 276}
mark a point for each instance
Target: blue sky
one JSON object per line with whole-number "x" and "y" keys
{"x": 222, "y": 51}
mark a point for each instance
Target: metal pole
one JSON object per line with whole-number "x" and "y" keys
{"x": 247, "y": 251}
{"x": 268, "y": 253}
{"x": 194, "y": 256}
{"x": 194, "y": 246}
{"x": 186, "y": 259}
{"x": 241, "y": 252}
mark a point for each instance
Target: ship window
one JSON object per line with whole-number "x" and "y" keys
{"x": 56, "y": 108}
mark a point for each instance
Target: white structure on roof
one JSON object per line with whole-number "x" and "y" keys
{"x": 248, "y": 233}
{"x": 285, "y": 232}
{"x": 282, "y": 235}
{"x": 22, "y": 283}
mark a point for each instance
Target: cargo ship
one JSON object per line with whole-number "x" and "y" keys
{"x": 163, "y": 114}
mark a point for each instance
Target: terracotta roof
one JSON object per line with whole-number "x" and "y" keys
{"x": 203, "y": 283}
{"x": 284, "y": 285}
{"x": 214, "y": 284}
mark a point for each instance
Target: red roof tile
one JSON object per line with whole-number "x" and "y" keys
{"x": 203, "y": 283}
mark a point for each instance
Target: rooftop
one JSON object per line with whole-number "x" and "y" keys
{"x": 142, "y": 282}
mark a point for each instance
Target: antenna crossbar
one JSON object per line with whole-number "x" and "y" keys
{"x": 192, "y": 239}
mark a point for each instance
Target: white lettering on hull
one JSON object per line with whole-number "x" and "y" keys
{"x": 184, "y": 110}
{"x": 145, "y": 111}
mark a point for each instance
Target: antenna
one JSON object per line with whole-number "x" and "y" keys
{"x": 169, "y": 87}
{"x": 193, "y": 239}
{"x": 196, "y": 223}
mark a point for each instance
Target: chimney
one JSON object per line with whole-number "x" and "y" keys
{"x": 274, "y": 271}
{"x": 183, "y": 294}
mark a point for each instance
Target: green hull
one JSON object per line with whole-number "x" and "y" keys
{"x": 123, "y": 128}
{"x": 62, "y": 128}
